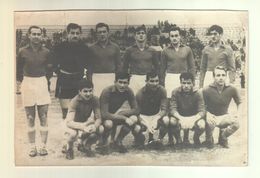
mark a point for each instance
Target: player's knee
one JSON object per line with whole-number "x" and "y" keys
{"x": 72, "y": 134}
{"x": 165, "y": 121}
{"x": 100, "y": 129}
{"x": 235, "y": 125}
{"x": 201, "y": 124}
{"x": 173, "y": 121}
{"x": 30, "y": 120}
{"x": 131, "y": 120}
{"x": 108, "y": 124}
{"x": 137, "y": 129}
{"x": 43, "y": 119}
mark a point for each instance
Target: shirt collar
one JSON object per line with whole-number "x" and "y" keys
{"x": 213, "y": 85}
{"x": 181, "y": 46}
{"x": 222, "y": 45}
{"x": 145, "y": 89}
{"x": 145, "y": 47}
{"x": 115, "y": 90}
{"x": 108, "y": 43}
{"x": 29, "y": 46}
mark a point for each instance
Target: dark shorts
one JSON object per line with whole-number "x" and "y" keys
{"x": 67, "y": 86}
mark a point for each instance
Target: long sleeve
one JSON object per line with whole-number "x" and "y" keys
{"x": 163, "y": 68}
{"x": 203, "y": 68}
{"x": 173, "y": 104}
{"x": 118, "y": 61}
{"x": 133, "y": 104}
{"x": 126, "y": 61}
{"x": 19, "y": 66}
{"x": 164, "y": 103}
{"x": 191, "y": 63}
{"x": 201, "y": 105}
{"x": 231, "y": 66}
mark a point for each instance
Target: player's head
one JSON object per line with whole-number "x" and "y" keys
{"x": 175, "y": 35}
{"x": 219, "y": 75}
{"x": 140, "y": 33}
{"x": 102, "y": 31}
{"x": 215, "y": 32}
{"x": 187, "y": 81}
{"x": 152, "y": 80}
{"x": 85, "y": 89}
{"x": 73, "y": 32}
{"x": 122, "y": 81}
{"x": 35, "y": 34}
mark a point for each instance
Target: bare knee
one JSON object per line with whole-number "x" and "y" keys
{"x": 235, "y": 125}
{"x": 30, "y": 120}
{"x": 137, "y": 129}
{"x": 201, "y": 124}
{"x": 131, "y": 120}
{"x": 166, "y": 121}
{"x": 173, "y": 121}
{"x": 108, "y": 124}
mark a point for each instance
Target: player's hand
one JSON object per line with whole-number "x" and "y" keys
{"x": 90, "y": 129}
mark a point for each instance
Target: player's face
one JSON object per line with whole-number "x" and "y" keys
{"x": 215, "y": 36}
{"x": 102, "y": 34}
{"x": 140, "y": 36}
{"x": 86, "y": 93}
{"x": 35, "y": 36}
{"x": 186, "y": 85}
{"x": 122, "y": 84}
{"x": 74, "y": 35}
{"x": 153, "y": 83}
{"x": 220, "y": 77}
{"x": 175, "y": 37}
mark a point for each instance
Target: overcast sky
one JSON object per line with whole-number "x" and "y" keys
{"x": 130, "y": 17}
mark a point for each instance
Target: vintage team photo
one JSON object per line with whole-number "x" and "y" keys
{"x": 131, "y": 88}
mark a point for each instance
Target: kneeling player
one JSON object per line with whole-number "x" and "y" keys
{"x": 115, "y": 112}
{"x": 187, "y": 109}
{"x": 152, "y": 105}
{"x": 80, "y": 121}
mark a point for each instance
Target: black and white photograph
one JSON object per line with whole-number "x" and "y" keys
{"x": 131, "y": 88}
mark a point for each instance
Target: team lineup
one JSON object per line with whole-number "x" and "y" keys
{"x": 104, "y": 97}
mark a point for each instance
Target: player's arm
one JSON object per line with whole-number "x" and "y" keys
{"x": 72, "y": 124}
{"x": 191, "y": 62}
{"x": 133, "y": 105}
{"x": 203, "y": 68}
{"x": 97, "y": 114}
{"x": 238, "y": 101}
{"x": 201, "y": 107}
{"x": 118, "y": 61}
{"x": 164, "y": 103}
{"x": 19, "y": 66}
{"x": 163, "y": 68}
{"x": 126, "y": 61}
{"x": 173, "y": 107}
{"x": 231, "y": 65}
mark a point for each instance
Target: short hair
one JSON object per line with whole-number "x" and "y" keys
{"x": 217, "y": 28}
{"x": 151, "y": 74}
{"x": 84, "y": 83}
{"x": 99, "y": 25}
{"x": 187, "y": 76}
{"x": 219, "y": 68}
{"x": 122, "y": 75}
{"x": 140, "y": 28}
{"x": 73, "y": 26}
{"x": 33, "y": 26}
{"x": 175, "y": 28}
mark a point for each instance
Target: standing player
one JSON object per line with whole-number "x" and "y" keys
{"x": 106, "y": 59}
{"x": 79, "y": 120}
{"x": 218, "y": 96}
{"x": 140, "y": 59}
{"x": 152, "y": 106}
{"x": 187, "y": 109}
{"x": 32, "y": 62}
{"x": 114, "y": 112}
{"x": 71, "y": 58}
{"x": 215, "y": 54}
{"x": 175, "y": 59}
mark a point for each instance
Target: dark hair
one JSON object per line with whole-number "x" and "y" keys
{"x": 217, "y": 28}
{"x": 122, "y": 75}
{"x": 151, "y": 74}
{"x": 83, "y": 83}
{"x": 187, "y": 76}
{"x": 140, "y": 28}
{"x": 73, "y": 26}
{"x": 99, "y": 25}
{"x": 33, "y": 26}
{"x": 175, "y": 28}
{"x": 219, "y": 68}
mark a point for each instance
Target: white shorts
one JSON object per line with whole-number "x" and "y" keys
{"x": 172, "y": 81}
{"x": 209, "y": 78}
{"x": 101, "y": 81}
{"x": 35, "y": 91}
{"x": 151, "y": 120}
{"x": 219, "y": 120}
{"x": 137, "y": 82}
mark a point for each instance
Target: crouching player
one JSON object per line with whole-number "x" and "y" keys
{"x": 80, "y": 123}
{"x": 152, "y": 106}
{"x": 115, "y": 112}
{"x": 187, "y": 109}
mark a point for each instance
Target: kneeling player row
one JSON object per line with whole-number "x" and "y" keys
{"x": 149, "y": 111}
